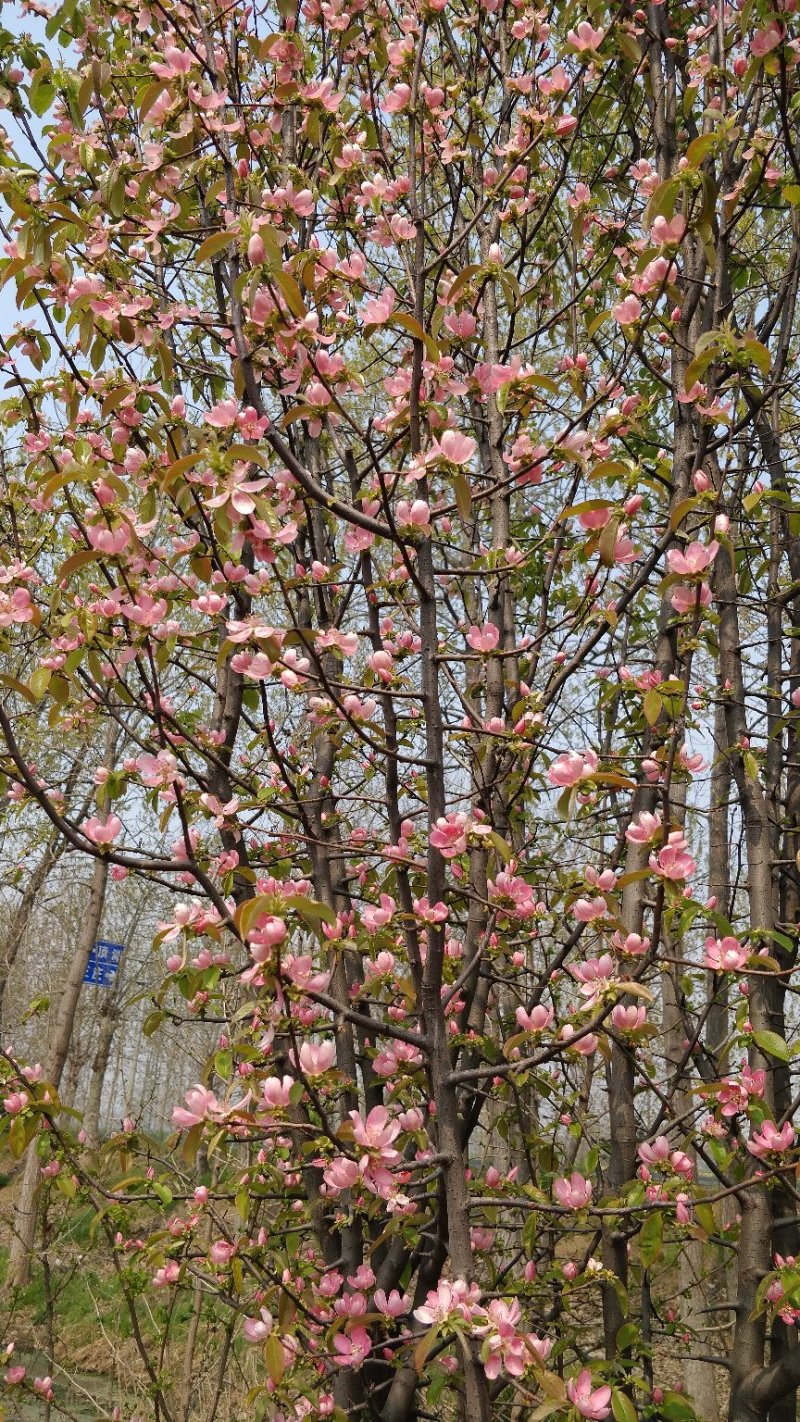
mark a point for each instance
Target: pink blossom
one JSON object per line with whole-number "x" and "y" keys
{"x": 317, "y": 1058}
{"x": 572, "y": 766}
{"x": 725, "y": 955}
{"x": 168, "y": 1274}
{"x": 449, "y": 835}
{"x": 673, "y": 861}
{"x": 693, "y": 559}
{"x": 145, "y": 611}
{"x": 585, "y": 1045}
{"x": 177, "y": 62}
{"x": 394, "y": 1306}
{"x": 397, "y": 99}
{"x": 691, "y": 761}
{"x": 461, "y": 324}
{"x": 556, "y": 82}
{"x": 485, "y": 638}
{"x": 300, "y": 971}
{"x": 769, "y": 1139}
{"x": 585, "y": 39}
{"x": 575, "y": 1193}
{"x": 595, "y": 974}
{"x": 276, "y": 1092}
{"x": 269, "y": 930}
{"x": 200, "y": 1104}
{"x": 586, "y": 910}
{"x": 734, "y": 1095}
{"x": 654, "y": 1153}
{"x": 682, "y": 1164}
{"x": 765, "y": 40}
{"x": 667, "y": 231}
{"x": 377, "y": 1132}
{"x": 643, "y": 828}
{"x": 102, "y": 831}
{"x": 454, "y": 447}
{"x": 221, "y": 1252}
{"x": 449, "y": 1297}
{"x": 256, "y": 1330}
{"x": 536, "y": 1021}
{"x": 627, "y": 1018}
{"x": 108, "y": 540}
{"x": 352, "y": 1347}
{"x": 591, "y": 1404}
{"x": 375, "y": 918}
{"x": 592, "y": 519}
{"x": 222, "y": 416}
{"x": 505, "y": 1347}
{"x": 413, "y": 515}
{"x": 16, "y": 606}
{"x": 685, "y": 598}
{"x": 342, "y": 1173}
{"x": 628, "y": 311}
{"x": 377, "y": 312}
{"x": 15, "y": 1102}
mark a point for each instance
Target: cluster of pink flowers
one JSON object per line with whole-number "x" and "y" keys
{"x": 505, "y": 1347}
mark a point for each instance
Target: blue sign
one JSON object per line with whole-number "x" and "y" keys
{"x": 103, "y": 963}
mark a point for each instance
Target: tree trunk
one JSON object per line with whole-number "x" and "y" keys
{"x": 19, "y": 1263}
{"x": 108, "y": 1025}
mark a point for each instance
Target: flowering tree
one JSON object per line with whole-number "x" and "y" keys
{"x": 399, "y": 446}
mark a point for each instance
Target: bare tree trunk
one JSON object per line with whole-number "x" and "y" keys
{"x": 747, "y": 1358}
{"x": 719, "y": 876}
{"x": 698, "y": 1375}
{"x": 22, "y": 914}
{"x": 109, "y": 1017}
{"x": 19, "y": 1264}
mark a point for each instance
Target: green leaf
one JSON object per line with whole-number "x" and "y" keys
{"x": 750, "y": 765}
{"x": 40, "y": 680}
{"x": 758, "y": 354}
{"x": 681, "y": 509}
{"x": 311, "y": 910}
{"x": 772, "y": 1044}
{"x": 596, "y": 322}
{"x": 463, "y": 494}
{"x": 565, "y": 802}
{"x": 290, "y": 291}
{"x": 275, "y": 1358}
{"x": 627, "y": 1335}
{"x": 652, "y": 707}
{"x": 622, "y": 1407}
{"x": 66, "y": 1185}
{"x": 502, "y": 846}
{"x": 662, "y": 203}
{"x": 211, "y": 246}
{"x": 76, "y": 561}
{"x": 704, "y": 1214}
{"x": 42, "y": 91}
{"x": 152, "y": 1022}
{"x": 651, "y": 1239}
{"x": 676, "y": 1408}
{"x": 411, "y": 324}
{"x": 700, "y": 148}
{"x": 19, "y": 686}
{"x": 423, "y": 1348}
